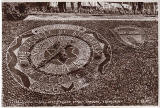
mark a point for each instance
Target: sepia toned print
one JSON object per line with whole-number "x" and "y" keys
{"x": 80, "y": 53}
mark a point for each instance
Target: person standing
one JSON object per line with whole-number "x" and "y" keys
{"x": 140, "y": 7}
{"x": 60, "y": 7}
{"x": 72, "y": 6}
{"x": 64, "y": 7}
{"x": 78, "y": 6}
{"x": 134, "y": 8}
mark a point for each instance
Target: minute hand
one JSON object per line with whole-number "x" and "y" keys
{"x": 44, "y": 62}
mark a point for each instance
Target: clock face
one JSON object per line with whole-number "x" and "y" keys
{"x": 58, "y": 58}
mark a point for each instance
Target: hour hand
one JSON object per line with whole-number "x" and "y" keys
{"x": 44, "y": 62}
{"x": 58, "y": 51}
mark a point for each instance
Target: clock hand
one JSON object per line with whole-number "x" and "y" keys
{"x": 44, "y": 62}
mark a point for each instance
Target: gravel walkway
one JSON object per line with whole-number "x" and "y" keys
{"x": 72, "y": 16}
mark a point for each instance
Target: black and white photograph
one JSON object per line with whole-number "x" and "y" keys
{"x": 79, "y": 53}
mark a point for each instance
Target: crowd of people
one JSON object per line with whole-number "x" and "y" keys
{"x": 62, "y": 6}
